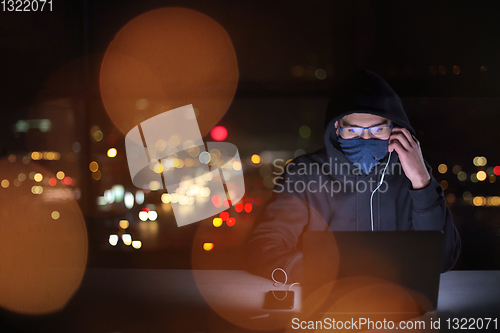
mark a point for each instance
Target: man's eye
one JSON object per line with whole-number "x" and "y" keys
{"x": 376, "y": 129}
{"x": 351, "y": 130}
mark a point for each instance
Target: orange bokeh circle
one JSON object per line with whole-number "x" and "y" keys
{"x": 240, "y": 300}
{"x": 369, "y": 302}
{"x": 43, "y": 240}
{"x": 164, "y": 59}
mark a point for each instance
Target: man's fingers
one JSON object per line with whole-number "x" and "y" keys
{"x": 414, "y": 138}
{"x": 402, "y": 139}
{"x": 411, "y": 139}
{"x": 396, "y": 145}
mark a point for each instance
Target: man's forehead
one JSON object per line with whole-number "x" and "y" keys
{"x": 364, "y": 119}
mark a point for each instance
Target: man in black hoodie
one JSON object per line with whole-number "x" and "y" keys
{"x": 367, "y": 135}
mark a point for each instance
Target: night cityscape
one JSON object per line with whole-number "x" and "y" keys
{"x": 63, "y": 151}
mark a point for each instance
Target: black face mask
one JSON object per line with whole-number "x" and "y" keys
{"x": 364, "y": 153}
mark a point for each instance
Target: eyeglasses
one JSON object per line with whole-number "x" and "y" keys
{"x": 381, "y": 132}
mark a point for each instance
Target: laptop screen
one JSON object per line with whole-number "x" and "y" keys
{"x": 387, "y": 271}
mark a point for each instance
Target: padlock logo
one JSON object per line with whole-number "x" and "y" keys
{"x": 167, "y": 152}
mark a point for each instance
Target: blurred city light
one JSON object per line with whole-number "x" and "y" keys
{"x": 174, "y": 140}
{"x": 143, "y": 216}
{"x": 101, "y": 201}
{"x": 236, "y": 165}
{"x": 128, "y": 199}
{"x": 218, "y": 133}
{"x": 255, "y": 159}
{"x": 113, "y": 240}
{"x": 442, "y": 168}
{"x": 69, "y": 181}
{"x": 109, "y": 196}
{"x": 38, "y": 177}
{"x": 112, "y": 152}
{"x": 305, "y": 131}
{"x": 456, "y": 169}
{"x": 137, "y": 244}
{"x": 207, "y": 176}
{"x": 165, "y": 198}
{"x": 494, "y": 201}
{"x": 216, "y": 200}
{"x": 36, "y": 189}
{"x": 217, "y": 222}
{"x": 93, "y": 166}
{"x": 152, "y": 215}
{"x": 160, "y": 145}
{"x": 481, "y": 175}
{"x": 479, "y": 201}
{"x": 230, "y": 221}
{"x": 139, "y": 197}
{"x": 154, "y": 185}
{"x": 479, "y": 161}
{"x": 174, "y": 197}
{"x": 96, "y": 175}
{"x": 124, "y": 224}
{"x": 205, "y": 191}
{"x": 320, "y": 74}
{"x": 462, "y": 176}
{"x": 298, "y": 71}
{"x": 247, "y": 207}
{"x": 193, "y": 151}
{"x": 118, "y": 191}
{"x": 127, "y": 239}
{"x": 473, "y": 178}
{"x": 204, "y": 157}
{"x": 96, "y": 133}
{"x": 45, "y": 155}
{"x": 44, "y": 125}
{"x": 208, "y": 246}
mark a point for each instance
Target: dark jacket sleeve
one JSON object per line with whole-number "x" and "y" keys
{"x": 429, "y": 212}
{"x": 273, "y": 241}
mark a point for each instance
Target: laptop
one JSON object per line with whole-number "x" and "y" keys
{"x": 371, "y": 273}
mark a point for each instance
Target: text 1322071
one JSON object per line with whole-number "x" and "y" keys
{"x": 26, "y": 5}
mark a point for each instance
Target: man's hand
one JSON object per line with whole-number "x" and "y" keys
{"x": 410, "y": 155}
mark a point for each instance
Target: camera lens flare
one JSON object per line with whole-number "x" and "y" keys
{"x": 43, "y": 243}
{"x": 164, "y": 59}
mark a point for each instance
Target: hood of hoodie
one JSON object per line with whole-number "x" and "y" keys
{"x": 362, "y": 92}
